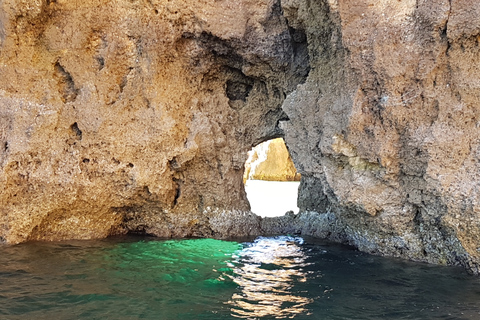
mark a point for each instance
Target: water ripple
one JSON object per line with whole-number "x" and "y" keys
{"x": 266, "y": 272}
{"x": 205, "y": 279}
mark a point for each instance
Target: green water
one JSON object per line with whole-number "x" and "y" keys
{"x": 268, "y": 278}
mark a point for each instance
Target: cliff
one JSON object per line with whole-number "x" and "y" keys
{"x": 384, "y": 130}
{"x": 270, "y": 161}
{"x": 136, "y": 116}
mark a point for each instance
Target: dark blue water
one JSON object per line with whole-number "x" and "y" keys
{"x": 269, "y": 278}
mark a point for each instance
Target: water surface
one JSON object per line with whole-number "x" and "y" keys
{"x": 268, "y": 278}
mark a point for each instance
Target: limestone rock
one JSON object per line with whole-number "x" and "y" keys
{"x": 386, "y": 127}
{"x": 270, "y": 161}
{"x": 136, "y": 116}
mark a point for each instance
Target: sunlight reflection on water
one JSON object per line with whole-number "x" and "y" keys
{"x": 205, "y": 279}
{"x": 266, "y": 272}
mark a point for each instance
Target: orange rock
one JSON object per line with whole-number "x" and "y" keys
{"x": 271, "y": 161}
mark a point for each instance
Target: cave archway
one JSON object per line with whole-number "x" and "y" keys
{"x": 271, "y": 179}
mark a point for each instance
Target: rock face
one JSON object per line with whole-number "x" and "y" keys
{"x": 385, "y": 129}
{"x": 270, "y": 161}
{"x": 137, "y": 116}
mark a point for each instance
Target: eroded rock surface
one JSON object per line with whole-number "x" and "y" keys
{"x": 136, "y": 116}
{"x": 386, "y": 127}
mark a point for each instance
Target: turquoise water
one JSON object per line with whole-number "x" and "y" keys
{"x": 268, "y": 278}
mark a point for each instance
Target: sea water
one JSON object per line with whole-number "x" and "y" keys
{"x": 280, "y": 277}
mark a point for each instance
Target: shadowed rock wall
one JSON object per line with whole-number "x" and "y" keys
{"x": 384, "y": 131}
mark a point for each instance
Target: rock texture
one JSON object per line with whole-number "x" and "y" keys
{"x": 270, "y": 161}
{"x": 137, "y": 115}
{"x": 385, "y": 129}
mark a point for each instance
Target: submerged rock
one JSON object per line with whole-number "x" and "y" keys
{"x": 136, "y": 116}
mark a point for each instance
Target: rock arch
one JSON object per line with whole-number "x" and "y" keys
{"x": 137, "y": 116}
{"x": 271, "y": 179}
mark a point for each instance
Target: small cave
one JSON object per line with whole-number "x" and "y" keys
{"x": 238, "y": 88}
{"x": 76, "y": 130}
{"x": 66, "y": 86}
{"x": 271, "y": 179}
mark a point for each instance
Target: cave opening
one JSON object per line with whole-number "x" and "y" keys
{"x": 271, "y": 179}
